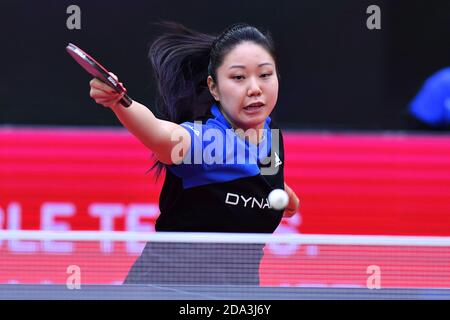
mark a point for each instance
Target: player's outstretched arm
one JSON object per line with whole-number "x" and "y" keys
{"x": 169, "y": 141}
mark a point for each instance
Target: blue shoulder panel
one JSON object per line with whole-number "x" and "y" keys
{"x": 217, "y": 154}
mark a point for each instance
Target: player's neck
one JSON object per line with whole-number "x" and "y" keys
{"x": 254, "y": 135}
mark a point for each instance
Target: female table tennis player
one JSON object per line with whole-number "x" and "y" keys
{"x": 230, "y": 84}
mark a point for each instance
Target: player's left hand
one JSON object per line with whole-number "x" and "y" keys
{"x": 293, "y": 204}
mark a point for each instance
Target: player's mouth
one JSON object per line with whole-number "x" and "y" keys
{"x": 254, "y": 107}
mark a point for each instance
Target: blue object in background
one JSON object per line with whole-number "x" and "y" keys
{"x": 432, "y": 103}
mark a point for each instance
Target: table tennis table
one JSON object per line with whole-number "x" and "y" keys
{"x": 210, "y": 292}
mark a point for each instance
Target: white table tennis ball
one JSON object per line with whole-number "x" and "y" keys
{"x": 278, "y": 199}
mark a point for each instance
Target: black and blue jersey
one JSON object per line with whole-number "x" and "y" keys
{"x": 228, "y": 196}
{"x": 221, "y": 186}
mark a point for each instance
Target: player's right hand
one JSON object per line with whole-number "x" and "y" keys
{"x": 104, "y": 94}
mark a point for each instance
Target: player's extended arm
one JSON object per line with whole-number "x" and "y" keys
{"x": 162, "y": 137}
{"x": 169, "y": 141}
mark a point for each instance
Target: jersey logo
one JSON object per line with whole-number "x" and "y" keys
{"x": 236, "y": 200}
{"x": 277, "y": 160}
{"x": 197, "y": 133}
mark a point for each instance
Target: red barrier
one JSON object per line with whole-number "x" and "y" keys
{"x": 80, "y": 179}
{"x": 95, "y": 179}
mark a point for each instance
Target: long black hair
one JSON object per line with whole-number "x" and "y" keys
{"x": 183, "y": 58}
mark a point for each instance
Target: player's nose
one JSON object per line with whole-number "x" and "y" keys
{"x": 254, "y": 88}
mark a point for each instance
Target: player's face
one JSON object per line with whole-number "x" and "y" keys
{"x": 246, "y": 76}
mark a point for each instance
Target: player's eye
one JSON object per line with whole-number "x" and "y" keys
{"x": 238, "y": 77}
{"x": 266, "y": 75}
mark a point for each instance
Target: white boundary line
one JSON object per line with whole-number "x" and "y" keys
{"x": 203, "y": 237}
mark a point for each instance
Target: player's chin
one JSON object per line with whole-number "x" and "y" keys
{"x": 254, "y": 118}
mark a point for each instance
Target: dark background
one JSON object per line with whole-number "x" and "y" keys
{"x": 335, "y": 73}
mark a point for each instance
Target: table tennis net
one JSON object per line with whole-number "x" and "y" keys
{"x": 285, "y": 260}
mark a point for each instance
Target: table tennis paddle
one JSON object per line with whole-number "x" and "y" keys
{"x": 98, "y": 71}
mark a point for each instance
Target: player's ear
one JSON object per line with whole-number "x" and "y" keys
{"x": 213, "y": 88}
